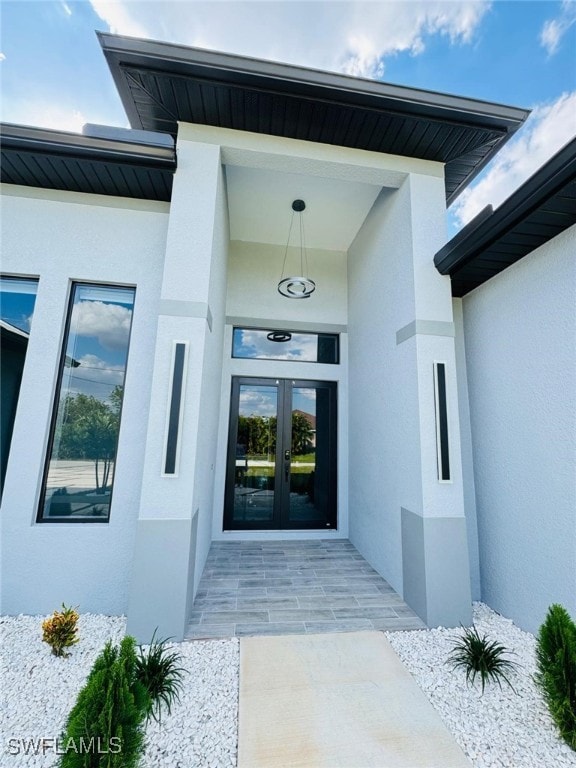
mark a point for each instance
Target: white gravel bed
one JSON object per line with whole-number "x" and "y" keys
{"x": 499, "y": 729}
{"x": 37, "y": 691}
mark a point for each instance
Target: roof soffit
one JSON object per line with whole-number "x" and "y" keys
{"x": 161, "y": 84}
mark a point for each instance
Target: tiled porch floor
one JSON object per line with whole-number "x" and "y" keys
{"x": 293, "y": 587}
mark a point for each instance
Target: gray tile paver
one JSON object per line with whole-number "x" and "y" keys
{"x": 293, "y": 587}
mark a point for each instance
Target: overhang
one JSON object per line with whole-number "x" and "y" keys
{"x": 540, "y": 209}
{"x": 111, "y": 161}
{"x": 161, "y": 84}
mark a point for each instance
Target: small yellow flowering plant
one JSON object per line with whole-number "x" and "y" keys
{"x": 60, "y": 630}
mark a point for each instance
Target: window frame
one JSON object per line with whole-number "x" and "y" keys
{"x": 336, "y": 336}
{"x": 40, "y": 519}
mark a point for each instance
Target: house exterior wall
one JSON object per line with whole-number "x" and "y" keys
{"x": 466, "y": 450}
{"x": 60, "y": 237}
{"x": 390, "y": 306}
{"x": 175, "y": 521}
{"x": 520, "y": 331}
{"x": 402, "y": 519}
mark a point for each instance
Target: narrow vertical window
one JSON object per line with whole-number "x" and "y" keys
{"x": 79, "y": 473}
{"x": 17, "y": 299}
{"x": 442, "y": 441}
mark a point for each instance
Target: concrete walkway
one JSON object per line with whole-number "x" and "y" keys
{"x": 293, "y": 587}
{"x": 336, "y": 701}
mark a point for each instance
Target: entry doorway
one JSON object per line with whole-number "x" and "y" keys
{"x": 282, "y": 455}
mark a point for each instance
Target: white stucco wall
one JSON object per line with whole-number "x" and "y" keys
{"x": 254, "y": 272}
{"x": 466, "y": 450}
{"x": 382, "y": 382}
{"x": 209, "y": 415}
{"x": 520, "y": 336}
{"x": 61, "y": 237}
{"x": 402, "y": 518}
{"x": 175, "y": 519}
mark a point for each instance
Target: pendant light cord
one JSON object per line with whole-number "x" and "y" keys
{"x": 287, "y": 244}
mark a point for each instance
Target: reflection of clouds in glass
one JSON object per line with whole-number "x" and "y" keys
{"x": 255, "y": 403}
{"x": 309, "y": 394}
{"x": 95, "y": 376}
{"x": 302, "y": 347}
{"x": 305, "y": 400}
{"x": 110, "y": 323}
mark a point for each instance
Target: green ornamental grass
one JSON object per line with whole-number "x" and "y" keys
{"x": 481, "y": 658}
{"x": 159, "y": 671}
{"x": 556, "y": 670}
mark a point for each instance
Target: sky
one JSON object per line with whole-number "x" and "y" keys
{"x": 516, "y": 52}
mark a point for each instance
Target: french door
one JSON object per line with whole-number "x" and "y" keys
{"x": 282, "y": 454}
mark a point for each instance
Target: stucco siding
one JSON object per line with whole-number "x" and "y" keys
{"x": 61, "y": 238}
{"x": 520, "y": 337}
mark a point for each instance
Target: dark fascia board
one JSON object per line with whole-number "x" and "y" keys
{"x": 489, "y": 226}
{"x": 126, "y": 53}
{"x": 49, "y": 142}
{"x": 243, "y": 70}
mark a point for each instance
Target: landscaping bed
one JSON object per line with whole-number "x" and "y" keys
{"x": 500, "y": 729}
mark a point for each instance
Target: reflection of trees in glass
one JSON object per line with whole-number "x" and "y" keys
{"x": 257, "y": 434}
{"x": 302, "y": 433}
{"x": 90, "y": 431}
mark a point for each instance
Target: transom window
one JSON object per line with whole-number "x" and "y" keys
{"x": 278, "y": 344}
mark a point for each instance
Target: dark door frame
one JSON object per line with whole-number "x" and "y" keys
{"x": 281, "y": 514}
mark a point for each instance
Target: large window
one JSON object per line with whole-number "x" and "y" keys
{"x": 17, "y": 299}
{"x": 82, "y": 453}
{"x": 260, "y": 344}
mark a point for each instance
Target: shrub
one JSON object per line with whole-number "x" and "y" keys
{"x": 60, "y": 630}
{"x": 481, "y": 657}
{"x": 105, "y": 728}
{"x": 159, "y": 671}
{"x": 556, "y": 670}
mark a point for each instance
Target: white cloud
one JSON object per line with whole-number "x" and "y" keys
{"x": 255, "y": 403}
{"x": 109, "y": 323}
{"x": 547, "y": 130}
{"x": 554, "y": 29}
{"x": 351, "y": 37}
{"x": 301, "y": 347}
{"x": 2, "y": 56}
{"x": 46, "y": 115}
{"x": 94, "y": 376}
{"x": 94, "y": 369}
{"x": 120, "y": 16}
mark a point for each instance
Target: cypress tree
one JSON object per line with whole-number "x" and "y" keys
{"x": 556, "y": 675}
{"x": 105, "y": 728}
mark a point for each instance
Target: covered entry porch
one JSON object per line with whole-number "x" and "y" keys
{"x": 293, "y": 587}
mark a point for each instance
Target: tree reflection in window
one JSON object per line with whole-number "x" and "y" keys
{"x": 80, "y": 469}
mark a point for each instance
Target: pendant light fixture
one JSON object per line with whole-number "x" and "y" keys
{"x": 300, "y": 286}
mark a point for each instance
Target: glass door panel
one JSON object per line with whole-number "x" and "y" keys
{"x": 311, "y": 495}
{"x": 255, "y": 454}
{"x": 281, "y": 455}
